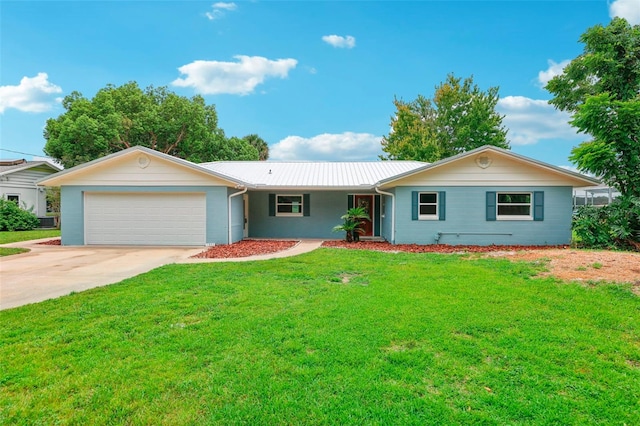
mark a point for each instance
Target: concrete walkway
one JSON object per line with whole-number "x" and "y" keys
{"x": 52, "y": 271}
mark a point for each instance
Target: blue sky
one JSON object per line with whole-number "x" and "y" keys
{"x": 315, "y": 79}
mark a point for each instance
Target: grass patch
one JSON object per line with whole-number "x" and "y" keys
{"x": 8, "y": 251}
{"x": 7, "y": 237}
{"x": 329, "y": 337}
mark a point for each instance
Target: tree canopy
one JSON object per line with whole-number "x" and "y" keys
{"x": 120, "y": 117}
{"x": 460, "y": 117}
{"x": 601, "y": 89}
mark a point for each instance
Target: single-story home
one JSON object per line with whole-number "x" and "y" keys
{"x": 486, "y": 196}
{"x": 18, "y": 184}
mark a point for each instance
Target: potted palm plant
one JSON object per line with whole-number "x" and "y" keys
{"x": 352, "y": 223}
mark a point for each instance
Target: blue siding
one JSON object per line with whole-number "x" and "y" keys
{"x": 72, "y": 209}
{"x": 325, "y": 211}
{"x": 466, "y": 214}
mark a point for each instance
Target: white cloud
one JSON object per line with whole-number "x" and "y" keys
{"x": 553, "y": 70}
{"x": 347, "y": 146}
{"x": 237, "y": 78}
{"x": 347, "y": 42}
{"x": 531, "y": 120}
{"x": 627, "y": 9}
{"x": 33, "y": 94}
{"x": 219, "y": 9}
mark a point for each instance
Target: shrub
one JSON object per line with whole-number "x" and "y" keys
{"x": 616, "y": 226}
{"x": 13, "y": 218}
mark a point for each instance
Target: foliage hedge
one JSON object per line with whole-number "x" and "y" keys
{"x": 13, "y": 218}
{"x": 615, "y": 226}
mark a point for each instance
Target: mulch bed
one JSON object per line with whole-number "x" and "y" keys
{"x": 245, "y": 248}
{"x": 431, "y": 248}
{"x": 56, "y": 242}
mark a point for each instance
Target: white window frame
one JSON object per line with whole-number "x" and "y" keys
{"x": 284, "y": 214}
{"x": 436, "y": 215}
{"x": 514, "y": 216}
{"x": 13, "y": 195}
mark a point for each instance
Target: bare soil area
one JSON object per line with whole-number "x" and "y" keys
{"x": 563, "y": 262}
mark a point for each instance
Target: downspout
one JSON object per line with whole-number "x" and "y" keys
{"x": 235, "y": 194}
{"x": 393, "y": 212}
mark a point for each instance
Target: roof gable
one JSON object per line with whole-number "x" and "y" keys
{"x": 142, "y": 167}
{"x": 489, "y": 165}
{"x": 8, "y": 169}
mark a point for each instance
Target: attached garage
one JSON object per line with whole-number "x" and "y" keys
{"x": 145, "y": 218}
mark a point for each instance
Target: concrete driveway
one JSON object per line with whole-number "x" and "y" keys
{"x": 52, "y": 271}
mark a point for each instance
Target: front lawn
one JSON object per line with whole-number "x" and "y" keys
{"x": 8, "y": 251}
{"x": 7, "y": 237}
{"x": 329, "y": 337}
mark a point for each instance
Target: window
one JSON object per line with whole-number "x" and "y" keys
{"x": 288, "y": 205}
{"x": 14, "y": 198}
{"x": 514, "y": 205}
{"x": 428, "y": 206}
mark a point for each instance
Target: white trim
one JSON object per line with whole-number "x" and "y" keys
{"x": 514, "y": 216}
{"x": 436, "y": 215}
{"x": 393, "y": 213}
{"x": 301, "y": 205}
{"x": 235, "y": 194}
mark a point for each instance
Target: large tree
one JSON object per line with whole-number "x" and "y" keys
{"x": 120, "y": 117}
{"x": 601, "y": 89}
{"x": 459, "y": 118}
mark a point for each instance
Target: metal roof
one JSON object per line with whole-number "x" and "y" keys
{"x": 338, "y": 175}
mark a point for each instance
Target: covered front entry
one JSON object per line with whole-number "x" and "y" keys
{"x": 371, "y": 205}
{"x": 139, "y": 218}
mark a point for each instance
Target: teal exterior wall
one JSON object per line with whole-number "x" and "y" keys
{"x": 72, "y": 209}
{"x": 326, "y": 207}
{"x": 466, "y": 222}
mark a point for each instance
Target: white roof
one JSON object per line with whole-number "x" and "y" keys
{"x": 326, "y": 175}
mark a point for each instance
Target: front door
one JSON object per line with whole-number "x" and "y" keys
{"x": 366, "y": 202}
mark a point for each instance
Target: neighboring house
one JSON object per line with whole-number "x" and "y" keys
{"x": 486, "y": 196}
{"x": 18, "y": 183}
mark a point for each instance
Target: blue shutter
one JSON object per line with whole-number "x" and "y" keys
{"x": 538, "y": 206}
{"x": 306, "y": 204}
{"x": 349, "y": 202}
{"x": 272, "y": 204}
{"x": 491, "y": 205}
{"x": 414, "y": 205}
{"x": 442, "y": 208}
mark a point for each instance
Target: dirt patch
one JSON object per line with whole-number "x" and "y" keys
{"x": 583, "y": 265}
{"x": 245, "y": 248}
{"x": 564, "y": 262}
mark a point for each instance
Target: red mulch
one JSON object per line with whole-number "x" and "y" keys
{"x": 430, "y": 248}
{"x": 56, "y": 242}
{"x": 245, "y": 248}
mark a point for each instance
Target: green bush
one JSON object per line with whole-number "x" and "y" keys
{"x": 13, "y": 218}
{"x": 616, "y": 226}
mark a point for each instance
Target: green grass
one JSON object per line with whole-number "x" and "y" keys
{"x": 8, "y": 251}
{"x": 329, "y": 337}
{"x": 7, "y": 237}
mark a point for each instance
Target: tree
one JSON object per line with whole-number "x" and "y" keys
{"x": 258, "y": 143}
{"x": 352, "y": 223}
{"x": 120, "y": 117}
{"x": 460, "y": 117}
{"x": 601, "y": 89}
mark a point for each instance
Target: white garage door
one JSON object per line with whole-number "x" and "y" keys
{"x": 144, "y": 218}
